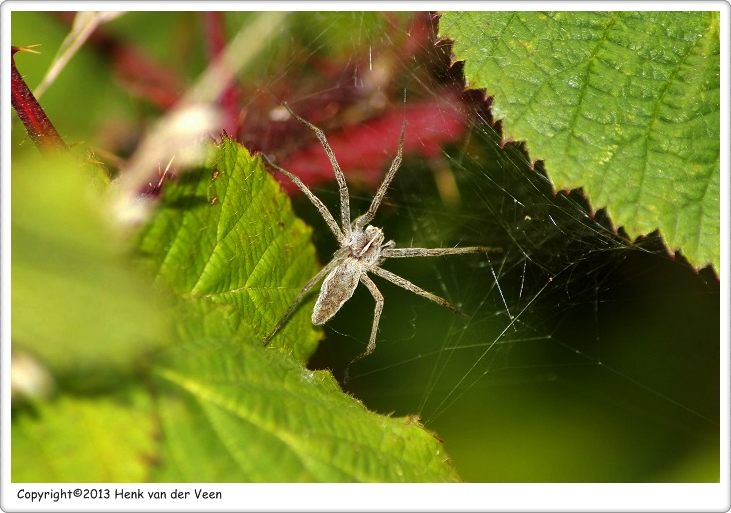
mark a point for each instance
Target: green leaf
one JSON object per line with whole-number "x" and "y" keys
{"x": 225, "y": 239}
{"x": 244, "y": 413}
{"x": 625, "y": 105}
{"x": 76, "y": 302}
{"x": 227, "y": 242}
{"x": 104, "y": 439}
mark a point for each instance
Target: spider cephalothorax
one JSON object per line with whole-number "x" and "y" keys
{"x": 366, "y": 245}
{"x": 362, "y": 251}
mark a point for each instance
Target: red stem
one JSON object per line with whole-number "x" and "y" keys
{"x": 30, "y": 112}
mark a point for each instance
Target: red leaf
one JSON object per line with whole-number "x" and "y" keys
{"x": 367, "y": 149}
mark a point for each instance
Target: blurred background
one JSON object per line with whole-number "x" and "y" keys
{"x": 588, "y": 357}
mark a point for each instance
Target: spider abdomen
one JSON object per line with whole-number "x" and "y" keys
{"x": 336, "y": 289}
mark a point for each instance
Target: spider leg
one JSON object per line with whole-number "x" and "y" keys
{"x": 325, "y": 270}
{"x": 383, "y": 188}
{"x": 365, "y": 280}
{"x": 342, "y": 185}
{"x": 429, "y": 252}
{"x": 406, "y": 284}
{"x": 326, "y": 215}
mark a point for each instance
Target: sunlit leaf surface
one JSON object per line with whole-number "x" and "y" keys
{"x": 226, "y": 240}
{"x": 236, "y": 412}
{"x": 625, "y": 105}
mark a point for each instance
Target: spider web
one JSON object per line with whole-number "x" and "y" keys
{"x": 584, "y": 346}
{"x": 569, "y": 317}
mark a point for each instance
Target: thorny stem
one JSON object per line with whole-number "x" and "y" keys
{"x": 36, "y": 122}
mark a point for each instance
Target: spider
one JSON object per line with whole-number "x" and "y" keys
{"x": 362, "y": 251}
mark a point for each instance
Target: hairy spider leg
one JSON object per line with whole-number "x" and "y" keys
{"x": 430, "y": 252}
{"x": 403, "y": 283}
{"x": 339, "y": 176}
{"x": 365, "y": 280}
{"x": 327, "y": 216}
{"x": 406, "y": 284}
{"x": 366, "y": 218}
{"x": 389, "y": 252}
